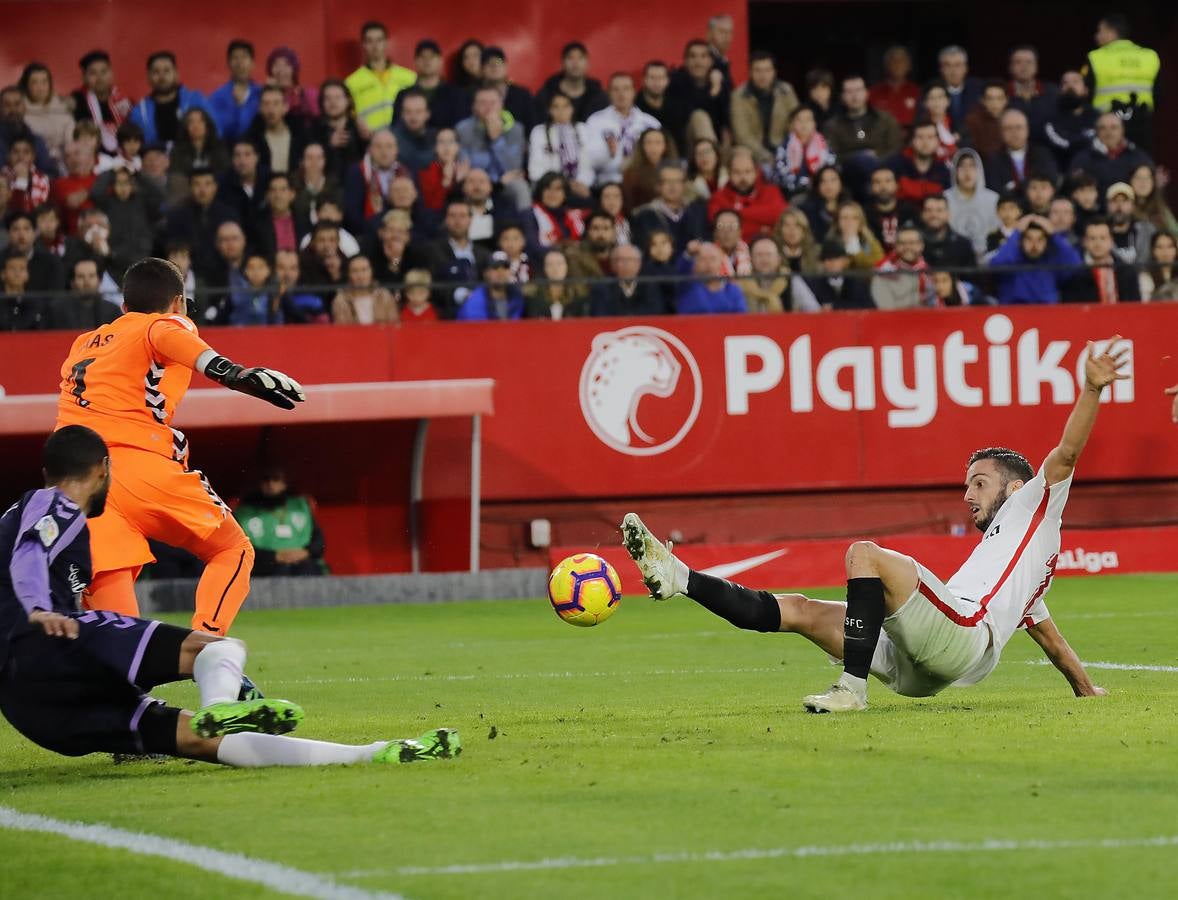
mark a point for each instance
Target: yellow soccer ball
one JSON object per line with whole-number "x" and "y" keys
{"x": 584, "y": 589}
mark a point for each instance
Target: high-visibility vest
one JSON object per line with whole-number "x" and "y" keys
{"x": 1120, "y": 70}
{"x": 374, "y": 93}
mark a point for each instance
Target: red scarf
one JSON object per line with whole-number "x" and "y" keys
{"x": 119, "y": 107}
{"x": 892, "y": 263}
{"x": 550, "y": 230}
{"x": 374, "y": 197}
{"x": 28, "y": 195}
{"x": 812, "y": 154}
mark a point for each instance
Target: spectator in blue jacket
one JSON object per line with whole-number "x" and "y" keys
{"x": 497, "y": 298}
{"x": 234, "y": 104}
{"x": 712, "y": 293}
{"x": 160, "y": 112}
{"x": 1034, "y": 244}
{"x": 494, "y": 141}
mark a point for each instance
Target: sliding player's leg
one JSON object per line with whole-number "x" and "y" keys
{"x": 879, "y": 583}
{"x": 819, "y": 621}
{"x": 223, "y": 730}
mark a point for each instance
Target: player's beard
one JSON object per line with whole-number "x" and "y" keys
{"x": 97, "y": 503}
{"x": 984, "y": 525}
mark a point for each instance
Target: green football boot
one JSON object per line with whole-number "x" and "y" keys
{"x": 441, "y": 743}
{"x": 266, "y": 716}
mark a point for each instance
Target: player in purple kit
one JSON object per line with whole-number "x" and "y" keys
{"x": 76, "y": 682}
{"x": 900, "y": 623}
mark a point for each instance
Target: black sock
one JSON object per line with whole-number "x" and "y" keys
{"x": 743, "y": 607}
{"x": 865, "y": 615}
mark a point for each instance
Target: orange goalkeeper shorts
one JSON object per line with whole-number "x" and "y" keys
{"x": 151, "y": 496}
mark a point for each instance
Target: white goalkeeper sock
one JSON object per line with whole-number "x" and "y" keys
{"x": 248, "y": 750}
{"x": 217, "y": 671}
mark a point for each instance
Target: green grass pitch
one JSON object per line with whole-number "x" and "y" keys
{"x": 661, "y": 754}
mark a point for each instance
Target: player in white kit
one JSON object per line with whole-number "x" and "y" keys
{"x": 902, "y": 624}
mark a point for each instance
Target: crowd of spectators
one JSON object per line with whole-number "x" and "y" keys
{"x": 401, "y": 195}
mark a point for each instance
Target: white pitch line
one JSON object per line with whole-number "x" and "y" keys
{"x": 516, "y": 676}
{"x": 762, "y": 853}
{"x": 232, "y": 865}
{"x": 1116, "y": 667}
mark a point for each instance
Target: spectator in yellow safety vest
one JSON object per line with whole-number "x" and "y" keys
{"x": 375, "y": 85}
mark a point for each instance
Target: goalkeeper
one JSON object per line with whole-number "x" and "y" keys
{"x": 125, "y": 380}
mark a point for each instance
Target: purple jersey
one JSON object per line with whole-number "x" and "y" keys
{"x": 44, "y": 560}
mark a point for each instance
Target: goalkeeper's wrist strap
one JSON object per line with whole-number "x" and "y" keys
{"x": 223, "y": 370}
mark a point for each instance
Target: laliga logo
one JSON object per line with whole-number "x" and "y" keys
{"x": 623, "y": 367}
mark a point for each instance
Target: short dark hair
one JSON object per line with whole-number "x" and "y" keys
{"x": 410, "y": 92}
{"x": 1118, "y": 22}
{"x": 923, "y": 122}
{"x": 506, "y": 227}
{"x": 1010, "y": 462}
{"x": 851, "y": 76}
{"x": 373, "y": 25}
{"x": 655, "y": 64}
{"x": 694, "y": 42}
{"x": 92, "y": 57}
{"x": 198, "y": 171}
{"x": 993, "y": 84}
{"x": 598, "y": 214}
{"x": 1020, "y": 47}
{"x": 129, "y": 131}
{"x": 273, "y": 89}
{"x": 761, "y": 56}
{"x": 1040, "y": 176}
{"x": 1035, "y": 226}
{"x": 927, "y": 197}
{"x": 572, "y": 46}
{"x": 161, "y": 54}
{"x": 1098, "y": 220}
{"x": 15, "y": 217}
{"x": 725, "y": 212}
{"x": 239, "y": 44}
{"x": 279, "y": 176}
{"x": 72, "y": 452}
{"x": 151, "y": 284}
{"x": 90, "y": 259}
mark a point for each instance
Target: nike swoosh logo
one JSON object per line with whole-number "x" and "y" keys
{"x": 727, "y": 570}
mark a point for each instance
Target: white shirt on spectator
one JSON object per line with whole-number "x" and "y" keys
{"x": 482, "y": 222}
{"x": 560, "y": 148}
{"x": 626, "y": 129}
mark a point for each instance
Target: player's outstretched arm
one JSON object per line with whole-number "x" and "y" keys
{"x": 266, "y": 384}
{"x": 1064, "y": 658}
{"x": 1099, "y": 372}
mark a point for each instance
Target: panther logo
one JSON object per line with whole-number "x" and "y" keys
{"x": 625, "y": 366}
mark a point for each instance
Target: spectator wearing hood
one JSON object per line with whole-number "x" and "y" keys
{"x": 1110, "y": 158}
{"x": 282, "y": 70}
{"x": 234, "y": 104}
{"x": 973, "y": 208}
{"x": 1034, "y": 244}
{"x": 759, "y": 204}
{"x": 919, "y": 173}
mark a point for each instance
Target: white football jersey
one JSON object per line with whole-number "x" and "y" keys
{"x": 1011, "y": 569}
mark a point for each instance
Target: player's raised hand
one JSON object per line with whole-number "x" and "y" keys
{"x": 54, "y": 624}
{"x": 1173, "y": 391}
{"x": 1101, "y": 371}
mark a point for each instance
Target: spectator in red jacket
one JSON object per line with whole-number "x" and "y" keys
{"x": 897, "y": 93}
{"x": 919, "y": 173}
{"x": 758, "y": 202}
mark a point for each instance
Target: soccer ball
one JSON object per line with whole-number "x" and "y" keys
{"x": 584, "y": 589}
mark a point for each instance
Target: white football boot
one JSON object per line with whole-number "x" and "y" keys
{"x": 845, "y": 695}
{"x": 663, "y": 574}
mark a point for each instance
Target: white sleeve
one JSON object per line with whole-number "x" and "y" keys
{"x": 584, "y": 166}
{"x": 1030, "y": 495}
{"x": 1036, "y": 614}
{"x": 539, "y": 159}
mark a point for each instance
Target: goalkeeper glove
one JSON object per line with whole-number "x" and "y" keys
{"x": 265, "y": 384}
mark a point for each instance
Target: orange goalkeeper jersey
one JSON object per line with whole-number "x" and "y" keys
{"x": 126, "y": 379}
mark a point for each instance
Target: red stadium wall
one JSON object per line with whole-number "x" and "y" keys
{"x": 784, "y": 410}
{"x": 619, "y": 34}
